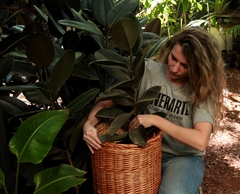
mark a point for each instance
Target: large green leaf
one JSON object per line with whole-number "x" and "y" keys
{"x": 62, "y": 71}
{"x": 102, "y": 54}
{"x": 82, "y": 100}
{"x": 13, "y": 106}
{"x": 77, "y": 16}
{"x": 110, "y": 113}
{"x": 42, "y": 14}
{"x": 34, "y": 137}
{"x": 13, "y": 16}
{"x": 114, "y": 68}
{"x": 113, "y": 94}
{"x": 100, "y": 9}
{"x": 13, "y": 45}
{"x": 120, "y": 10}
{"x": 87, "y": 27}
{"x": 58, "y": 179}
{"x": 139, "y": 136}
{"x": 39, "y": 49}
{"x": 85, "y": 72}
{"x": 118, "y": 122}
{"x": 125, "y": 34}
{"x": 147, "y": 97}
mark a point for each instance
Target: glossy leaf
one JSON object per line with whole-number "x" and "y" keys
{"x": 110, "y": 113}
{"x": 13, "y": 45}
{"x": 87, "y": 27}
{"x": 82, "y": 100}
{"x": 39, "y": 49}
{"x": 110, "y": 56}
{"x": 85, "y": 72}
{"x": 100, "y": 9}
{"x": 139, "y": 136}
{"x": 113, "y": 94}
{"x": 58, "y": 179}
{"x": 118, "y": 122}
{"x": 62, "y": 71}
{"x": 11, "y": 17}
{"x": 114, "y": 68}
{"x": 31, "y": 28}
{"x": 120, "y": 10}
{"x": 154, "y": 26}
{"x": 77, "y": 16}
{"x": 147, "y": 97}
{"x": 13, "y": 106}
{"x": 34, "y": 137}
{"x": 42, "y": 14}
{"x": 125, "y": 34}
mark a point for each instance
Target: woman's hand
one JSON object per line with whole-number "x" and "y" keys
{"x": 90, "y": 137}
{"x": 145, "y": 120}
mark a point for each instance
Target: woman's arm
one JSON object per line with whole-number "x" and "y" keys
{"x": 198, "y": 137}
{"x": 89, "y": 130}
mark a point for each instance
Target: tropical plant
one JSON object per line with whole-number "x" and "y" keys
{"x": 174, "y": 15}
{"x": 44, "y": 66}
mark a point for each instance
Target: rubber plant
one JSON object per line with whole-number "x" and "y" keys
{"x": 62, "y": 59}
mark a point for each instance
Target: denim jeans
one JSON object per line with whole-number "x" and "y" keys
{"x": 181, "y": 174}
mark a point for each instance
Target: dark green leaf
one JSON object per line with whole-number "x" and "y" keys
{"x": 82, "y": 100}
{"x": 85, "y": 72}
{"x": 110, "y": 113}
{"x": 114, "y": 68}
{"x": 39, "y": 49}
{"x": 77, "y": 16}
{"x": 13, "y": 16}
{"x": 139, "y": 136}
{"x": 100, "y": 9}
{"x": 62, "y": 71}
{"x": 118, "y": 122}
{"x": 125, "y": 34}
{"x": 58, "y": 179}
{"x": 87, "y": 27}
{"x": 2, "y": 179}
{"x": 120, "y": 10}
{"x": 42, "y": 14}
{"x": 147, "y": 97}
{"x": 12, "y": 46}
{"x": 113, "y": 94}
{"x": 33, "y": 139}
{"x": 110, "y": 55}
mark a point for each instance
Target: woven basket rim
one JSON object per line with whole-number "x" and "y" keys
{"x": 156, "y": 136}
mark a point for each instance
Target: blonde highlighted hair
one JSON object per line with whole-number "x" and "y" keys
{"x": 205, "y": 64}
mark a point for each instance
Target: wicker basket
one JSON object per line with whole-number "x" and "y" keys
{"x": 127, "y": 168}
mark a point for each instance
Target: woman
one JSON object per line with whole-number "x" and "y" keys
{"x": 190, "y": 70}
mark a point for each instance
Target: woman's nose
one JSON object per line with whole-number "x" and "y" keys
{"x": 175, "y": 67}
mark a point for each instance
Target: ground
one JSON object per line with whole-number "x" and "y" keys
{"x": 222, "y": 158}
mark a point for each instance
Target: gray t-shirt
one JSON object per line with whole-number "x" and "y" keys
{"x": 173, "y": 100}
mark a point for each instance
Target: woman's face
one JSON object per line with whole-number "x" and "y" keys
{"x": 177, "y": 71}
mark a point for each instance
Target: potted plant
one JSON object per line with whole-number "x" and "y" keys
{"x": 45, "y": 66}
{"x": 113, "y": 166}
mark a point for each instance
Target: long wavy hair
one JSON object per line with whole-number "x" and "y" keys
{"x": 205, "y": 64}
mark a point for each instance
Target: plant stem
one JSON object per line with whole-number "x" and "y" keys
{"x": 16, "y": 181}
